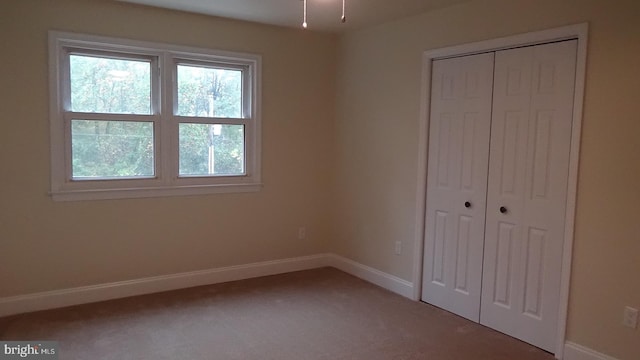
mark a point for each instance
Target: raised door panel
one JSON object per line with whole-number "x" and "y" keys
{"x": 528, "y": 174}
{"x": 457, "y": 174}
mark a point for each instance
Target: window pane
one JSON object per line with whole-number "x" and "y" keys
{"x": 209, "y": 92}
{"x": 110, "y": 85}
{"x": 111, "y": 149}
{"x": 207, "y": 149}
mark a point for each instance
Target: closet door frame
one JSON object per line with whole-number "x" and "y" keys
{"x": 577, "y": 32}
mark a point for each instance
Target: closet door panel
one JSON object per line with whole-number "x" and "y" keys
{"x": 528, "y": 174}
{"x": 456, "y": 183}
{"x": 512, "y": 81}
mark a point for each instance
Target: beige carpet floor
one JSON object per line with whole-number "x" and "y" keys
{"x": 315, "y": 314}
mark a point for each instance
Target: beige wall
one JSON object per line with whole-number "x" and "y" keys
{"x": 377, "y": 148}
{"x": 49, "y": 245}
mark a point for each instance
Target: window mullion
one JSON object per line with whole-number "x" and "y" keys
{"x": 169, "y": 149}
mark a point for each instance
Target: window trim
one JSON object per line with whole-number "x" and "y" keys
{"x": 164, "y": 59}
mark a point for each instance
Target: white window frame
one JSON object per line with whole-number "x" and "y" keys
{"x": 164, "y": 59}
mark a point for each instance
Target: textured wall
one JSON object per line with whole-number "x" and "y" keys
{"x": 49, "y": 245}
{"x": 377, "y": 147}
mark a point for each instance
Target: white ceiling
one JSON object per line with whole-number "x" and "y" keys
{"x": 322, "y": 15}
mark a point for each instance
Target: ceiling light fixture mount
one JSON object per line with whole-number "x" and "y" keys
{"x": 304, "y": 14}
{"x": 343, "y": 18}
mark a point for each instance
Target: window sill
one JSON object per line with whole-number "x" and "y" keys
{"x": 134, "y": 193}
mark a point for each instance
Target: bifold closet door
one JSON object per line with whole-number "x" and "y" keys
{"x": 527, "y": 190}
{"x": 457, "y": 183}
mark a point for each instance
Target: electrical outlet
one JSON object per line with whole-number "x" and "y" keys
{"x": 630, "y": 318}
{"x": 398, "y": 248}
{"x": 302, "y": 233}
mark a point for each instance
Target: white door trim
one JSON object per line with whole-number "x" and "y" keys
{"x": 579, "y": 32}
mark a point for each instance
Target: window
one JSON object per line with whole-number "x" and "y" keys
{"x": 134, "y": 119}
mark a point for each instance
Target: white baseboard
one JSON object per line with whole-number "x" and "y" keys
{"x": 88, "y": 294}
{"x": 382, "y": 279}
{"x": 574, "y": 351}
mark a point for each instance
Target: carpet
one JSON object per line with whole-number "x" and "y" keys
{"x": 314, "y": 314}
